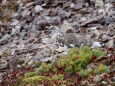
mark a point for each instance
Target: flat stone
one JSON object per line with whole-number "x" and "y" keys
{"x": 97, "y": 18}
{"x": 96, "y": 44}
{"x": 38, "y": 9}
{"x": 78, "y": 6}
{"x": 15, "y": 22}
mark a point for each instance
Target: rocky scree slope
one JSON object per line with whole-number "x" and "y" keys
{"x": 33, "y": 31}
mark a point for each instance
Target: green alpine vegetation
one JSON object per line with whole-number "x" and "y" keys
{"x": 75, "y": 61}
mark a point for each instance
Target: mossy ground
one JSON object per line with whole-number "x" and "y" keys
{"x": 66, "y": 69}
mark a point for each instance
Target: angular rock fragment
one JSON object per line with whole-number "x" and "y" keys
{"x": 16, "y": 30}
{"x": 38, "y": 9}
{"x": 111, "y": 44}
{"x": 5, "y": 39}
{"x": 15, "y": 22}
{"x": 96, "y": 19}
{"x": 43, "y": 23}
{"x": 106, "y": 38}
{"x": 99, "y": 4}
{"x": 25, "y": 13}
{"x": 3, "y": 64}
{"x": 1, "y": 78}
{"x": 78, "y": 5}
{"x": 96, "y": 44}
{"x": 67, "y": 28}
{"x": 42, "y": 54}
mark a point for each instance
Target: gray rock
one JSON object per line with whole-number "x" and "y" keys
{"x": 64, "y": 14}
{"x": 15, "y": 22}
{"x": 97, "y": 18}
{"x": 72, "y": 5}
{"x": 3, "y": 64}
{"x": 79, "y": 4}
{"x": 99, "y": 4}
{"x": 97, "y": 78}
{"x": 5, "y": 39}
{"x": 66, "y": 27}
{"x": 30, "y": 62}
{"x": 1, "y": 78}
{"x": 104, "y": 82}
{"x": 96, "y": 44}
{"x": 106, "y": 37}
{"x": 38, "y": 9}
{"x": 46, "y": 59}
{"x": 16, "y": 30}
{"x": 16, "y": 15}
{"x": 43, "y": 23}
{"x": 46, "y": 40}
{"x": 25, "y": 13}
{"x": 4, "y": 2}
{"x": 23, "y": 34}
{"x": 29, "y": 4}
{"x": 111, "y": 44}
{"x": 45, "y": 53}
{"x": 101, "y": 11}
